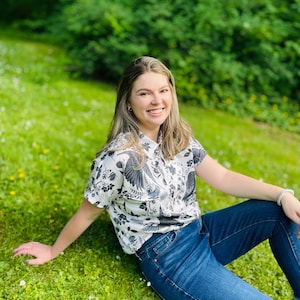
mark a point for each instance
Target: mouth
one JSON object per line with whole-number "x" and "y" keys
{"x": 155, "y": 111}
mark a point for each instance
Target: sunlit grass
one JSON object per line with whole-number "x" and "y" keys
{"x": 51, "y": 126}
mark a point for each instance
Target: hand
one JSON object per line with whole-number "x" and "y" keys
{"x": 41, "y": 252}
{"x": 291, "y": 208}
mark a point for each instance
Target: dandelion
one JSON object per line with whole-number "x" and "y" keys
{"x": 263, "y": 97}
{"x": 11, "y": 178}
{"x": 201, "y": 92}
{"x": 21, "y": 175}
{"x": 56, "y": 168}
{"x": 45, "y": 151}
{"x": 228, "y": 101}
{"x": 253, "y": 98}
{"x": 285, "y": 99}
{"x": 56, "y": 186}
{"x": 12, "y": 193}
{"x": 61, "y": 153}
{"x": 22, "y": 283}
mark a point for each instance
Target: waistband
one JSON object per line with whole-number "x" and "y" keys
{"x": 157, "y": 237}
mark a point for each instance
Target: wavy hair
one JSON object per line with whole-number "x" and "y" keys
{"x": 175, "y": 132}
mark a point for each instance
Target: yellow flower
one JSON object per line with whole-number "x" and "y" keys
{"x": 12, "y": 193}
{"x": 228, "y": 101}
{"x": 263, "y": 97}
{"x": 285, "y": 99}
{"x": 56, "y": 168}
{"x": 21, "y": 175}
{"x": 11, "y": 178}
{"x": 253, "y": 98}
{"x": 45, "y": 151}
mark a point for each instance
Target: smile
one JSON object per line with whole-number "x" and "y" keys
{"x": 156, "y": 110}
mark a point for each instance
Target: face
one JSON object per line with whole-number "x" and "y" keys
{"x": 151, "y": 100}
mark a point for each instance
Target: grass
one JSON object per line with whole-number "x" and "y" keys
{"x": 51, "y": 127}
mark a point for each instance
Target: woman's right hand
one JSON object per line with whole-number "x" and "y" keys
{"x": 42, "y": 253}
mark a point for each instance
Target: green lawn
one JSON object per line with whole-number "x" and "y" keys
{"x": 51, "y": 126}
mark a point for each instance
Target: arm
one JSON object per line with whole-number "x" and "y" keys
{"x": 81, "y": 220}
{"x": 239, "y": 185}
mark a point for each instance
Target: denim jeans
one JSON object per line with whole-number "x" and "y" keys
{"x": 189, "y": 263}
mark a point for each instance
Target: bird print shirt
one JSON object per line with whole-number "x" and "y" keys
{"x": 142, "y": 199}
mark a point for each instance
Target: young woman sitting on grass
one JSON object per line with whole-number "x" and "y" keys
{"x": 145, "y": 178}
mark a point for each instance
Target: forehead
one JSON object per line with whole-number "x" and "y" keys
{"x": 150, "y": 80}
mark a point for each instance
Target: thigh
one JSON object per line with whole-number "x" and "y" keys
{"x": 235, "y": 230}
{"x": 183, "y": 267}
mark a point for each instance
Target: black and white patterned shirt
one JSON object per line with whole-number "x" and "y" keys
{"x": 157, "y": 197}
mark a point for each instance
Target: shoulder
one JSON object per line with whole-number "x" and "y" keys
{"x": 197, "y": 149}
{"x": 117, "y": 152}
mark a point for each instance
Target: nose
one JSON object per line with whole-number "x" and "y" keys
{"x": 156, "y": 99}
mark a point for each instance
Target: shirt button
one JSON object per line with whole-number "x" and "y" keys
{"x": 155, "y": 260}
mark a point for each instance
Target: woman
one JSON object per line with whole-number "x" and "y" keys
{"x": 145, "y": 178}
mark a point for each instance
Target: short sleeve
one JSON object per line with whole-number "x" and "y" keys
{"x": 105, "y": 180}
{"x": 198, "y": 151}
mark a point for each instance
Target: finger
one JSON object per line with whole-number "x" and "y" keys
{"x": 34, "y": 262}
{"x": 298, "y": 232}
{"x": 22, "y": 246}
{"x": 20, "y": 251}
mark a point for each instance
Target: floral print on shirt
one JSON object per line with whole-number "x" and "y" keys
{"x": 156, "y": 197}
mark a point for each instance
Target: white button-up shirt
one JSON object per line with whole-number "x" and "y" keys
{"x": 156, "y": 197}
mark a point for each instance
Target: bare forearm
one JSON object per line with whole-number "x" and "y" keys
{"x": 239, "y": 185}
{"x": 72, "y": 230}
{"x": 234, "y": 183}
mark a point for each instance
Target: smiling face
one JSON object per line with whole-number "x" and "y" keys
{"x": 151, "y": 101}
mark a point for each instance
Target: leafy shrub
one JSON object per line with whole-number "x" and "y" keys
{"x": 239, "y": 56}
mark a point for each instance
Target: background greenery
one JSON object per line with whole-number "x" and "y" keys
{"x": 236, "y": 55}
{"x": 51, "y": 127}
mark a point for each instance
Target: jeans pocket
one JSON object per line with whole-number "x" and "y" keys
{"x": 164, "y": 244}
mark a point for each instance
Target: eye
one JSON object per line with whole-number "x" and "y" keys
{"x": 166, "y": 90}
{"x": 144, "y": 93}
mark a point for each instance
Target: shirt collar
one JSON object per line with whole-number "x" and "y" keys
{"x": 149, "y": 145}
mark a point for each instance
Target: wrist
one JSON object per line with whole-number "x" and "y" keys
{"x": 281, "y": 195}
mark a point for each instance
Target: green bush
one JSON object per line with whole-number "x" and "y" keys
{"x": 239, "y": 56}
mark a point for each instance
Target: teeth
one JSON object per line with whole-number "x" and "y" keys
{"x": 155, "y": 110}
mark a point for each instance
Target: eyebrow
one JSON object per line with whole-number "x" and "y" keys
{"x": 145, "y": 89}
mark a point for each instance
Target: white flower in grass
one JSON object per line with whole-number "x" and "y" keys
{"x": 22, "y": 283}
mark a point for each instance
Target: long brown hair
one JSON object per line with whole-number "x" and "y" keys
{"x": 175, "y": 132}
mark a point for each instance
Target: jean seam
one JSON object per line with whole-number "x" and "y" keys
{"x": 291, "y": 243}
{"x": 240, "y": 230}
{"x": 170, "y": 282}
{"x": 288, "y": 235}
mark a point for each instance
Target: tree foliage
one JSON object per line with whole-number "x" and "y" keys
{"x": 236, "y": 55}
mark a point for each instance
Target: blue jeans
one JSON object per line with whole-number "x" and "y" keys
{"x": 189, "y": 263}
